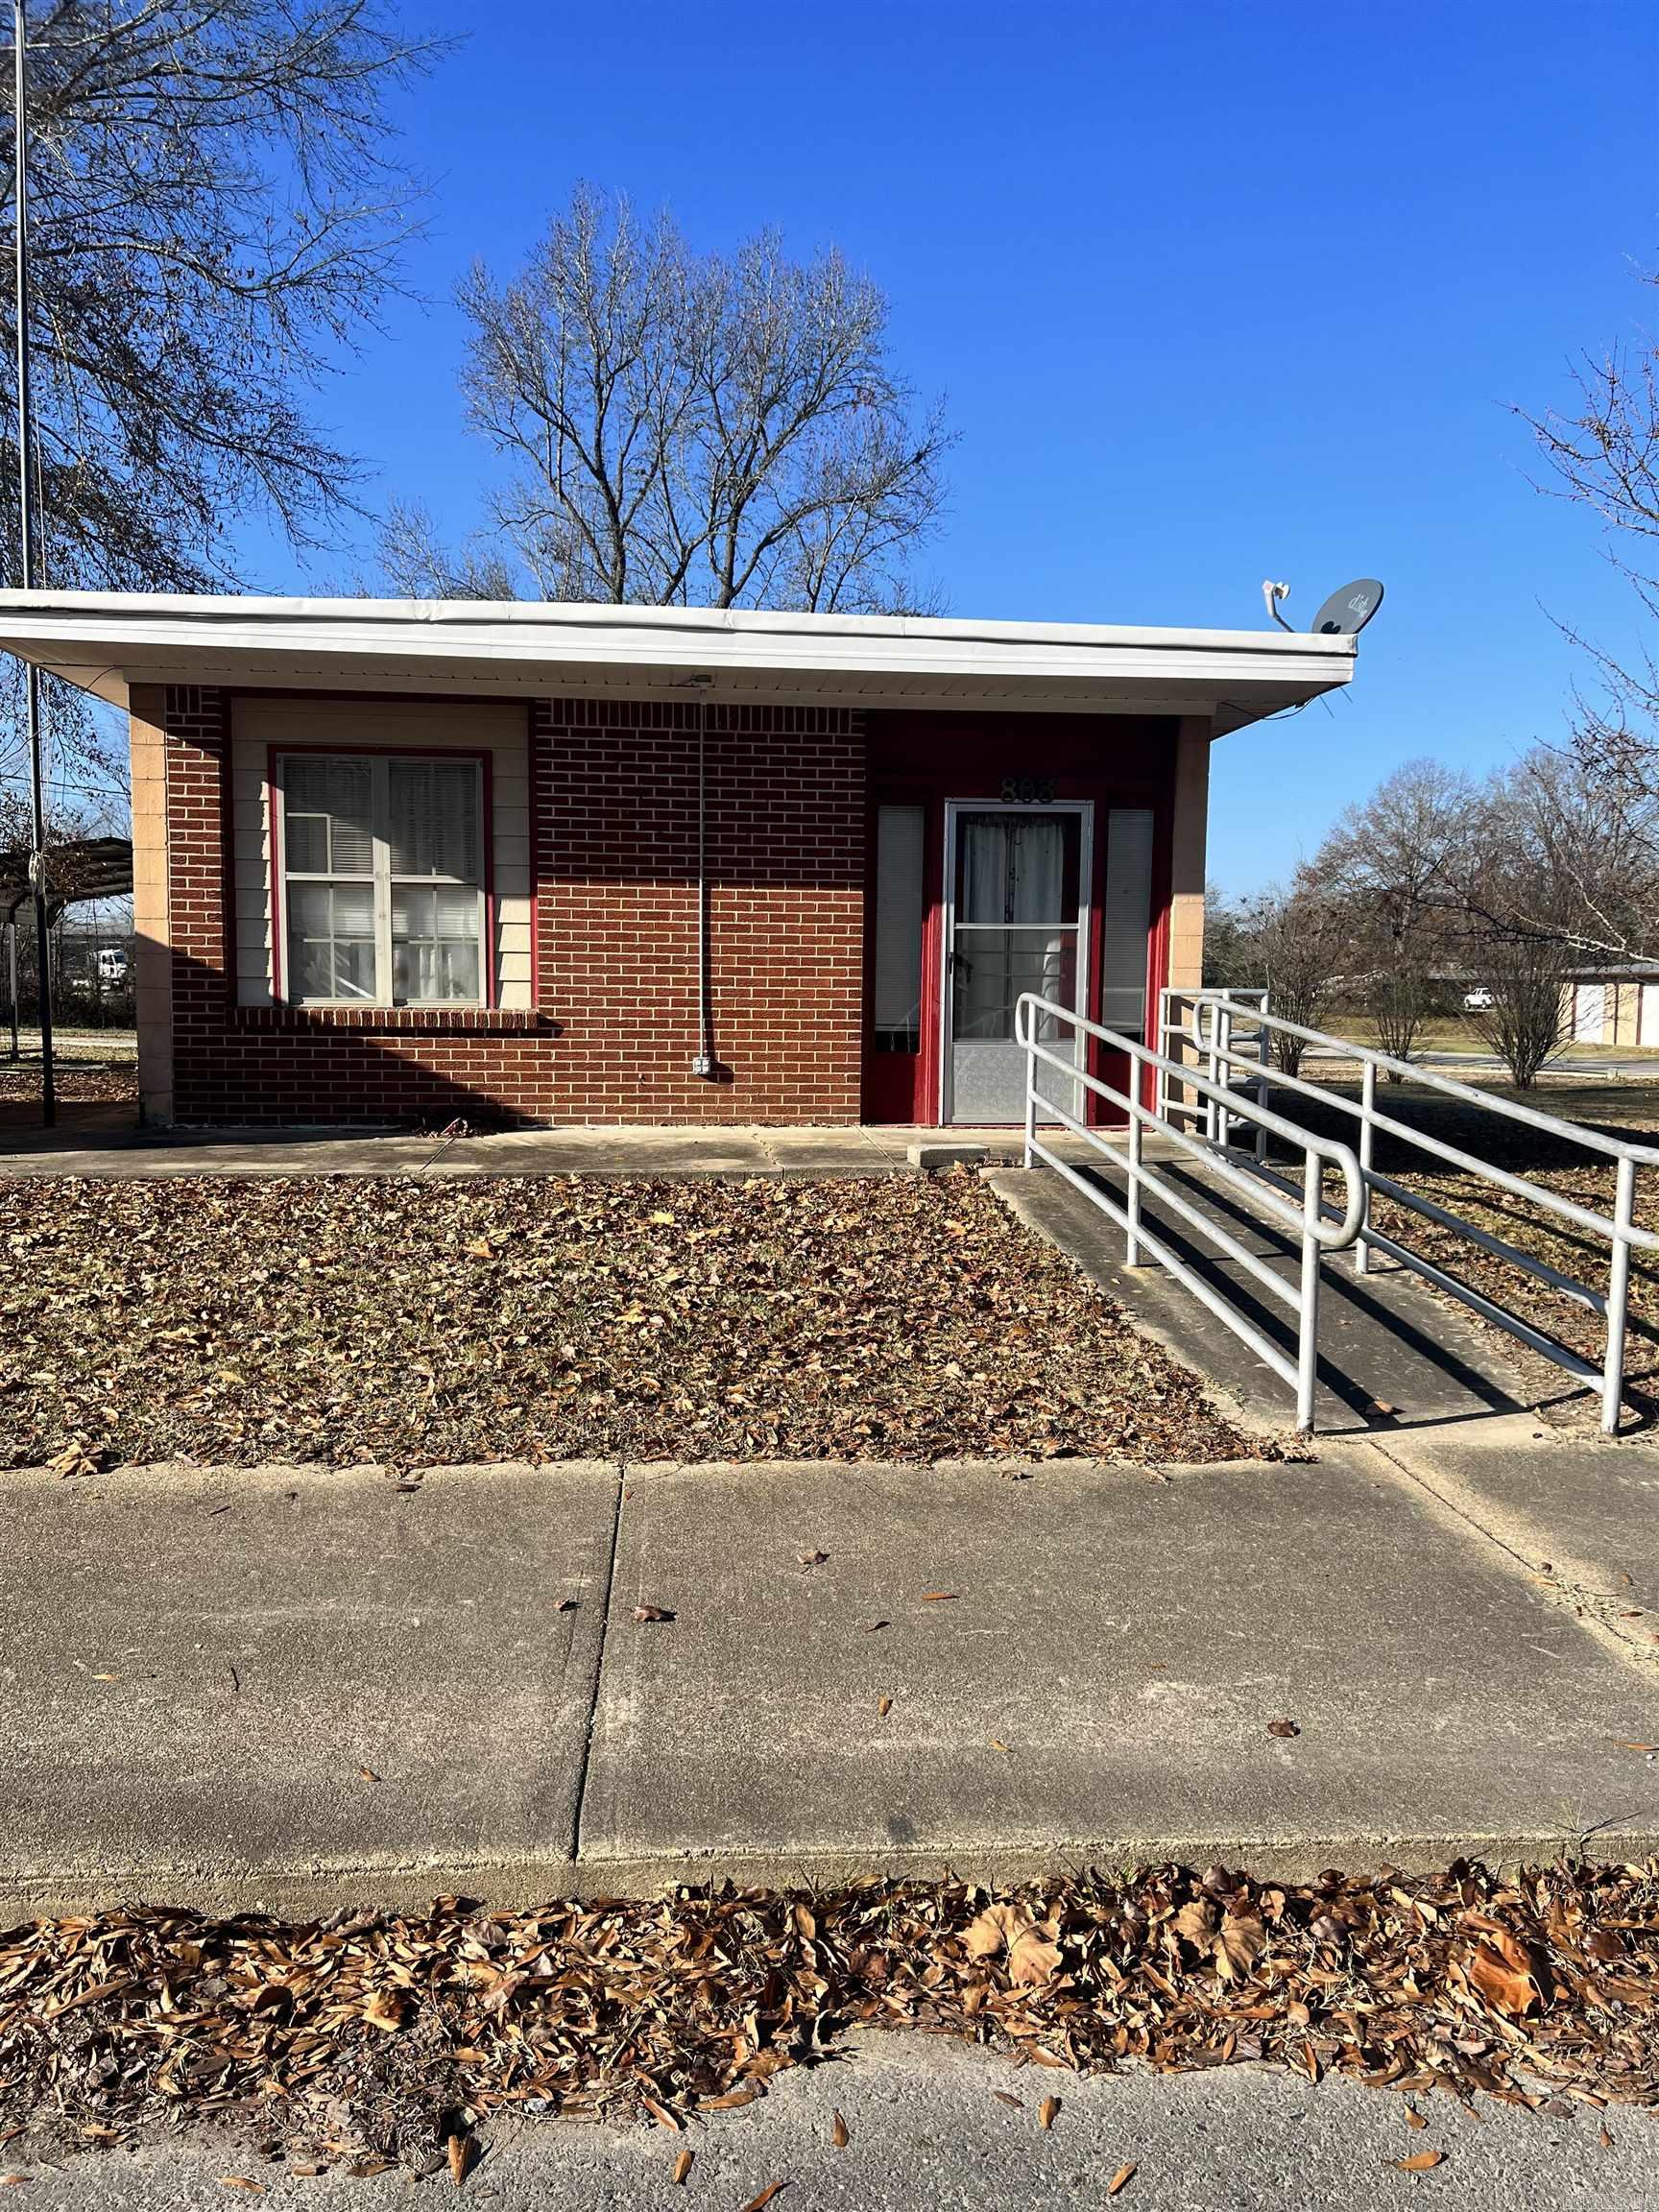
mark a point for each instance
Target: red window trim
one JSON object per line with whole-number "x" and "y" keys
{"x": 485, "y": 759}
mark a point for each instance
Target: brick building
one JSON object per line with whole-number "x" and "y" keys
{"x": 399, "y": 861}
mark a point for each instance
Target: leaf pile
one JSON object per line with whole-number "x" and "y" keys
{"x": 448, "y": 1322}
{"x": 373, "y": 2037}
{"x": 73, "y": 1083}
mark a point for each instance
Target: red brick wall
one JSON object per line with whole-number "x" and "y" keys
{"x": 614, "y": 1028}
{"x": 616, "y": 937}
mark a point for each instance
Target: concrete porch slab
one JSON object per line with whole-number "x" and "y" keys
{"x": 1097, "y": 1683}
{"x": 619, "y": 1151}
{"x": 276, "y": 1687}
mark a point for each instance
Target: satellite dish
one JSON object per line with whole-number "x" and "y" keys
{"x": 1346, "y": 612}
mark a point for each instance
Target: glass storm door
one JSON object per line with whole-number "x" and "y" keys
{"x": 1017, "y": 923}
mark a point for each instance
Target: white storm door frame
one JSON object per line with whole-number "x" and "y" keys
{"x": 1084, "y": 809}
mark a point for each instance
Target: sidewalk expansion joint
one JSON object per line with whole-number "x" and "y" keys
{"x": 598, "y": 1662}
{"x": 1593, "y": 1612}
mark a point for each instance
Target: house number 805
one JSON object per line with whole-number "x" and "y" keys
{"x": 1026, "y": 791}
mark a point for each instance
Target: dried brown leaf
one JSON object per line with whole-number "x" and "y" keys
{"x": 1505, "y": 1972}
{"x": 1028, "y": 1946}
{"x": 682, "y": 2166}
{"x": 1239, "y": 1941}
{"x": 1120, "y": 2181}
{"x": 838, "y": 2135}
{"x": 460, "y": 2150}
{"x": 1196, "y": 1923}
{"x": 761, "y": 2203}
{"x": 1420, "y": 2162}
{"x": 1048, "y": 2112}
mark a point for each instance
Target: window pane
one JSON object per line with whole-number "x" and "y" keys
{"x": 434, "y": 829}
{"x": 457, "y": 912}
{"x": 411, "y": 911}
{"x": 308, "y": 843}
{"x": 427, "y": 971}
{"x": 897, "y": 995}
{"x": 331, "y": 798}
{"x": 332, "y": 941}
{"x": 435, "y": 943}
{"x": 354, "y": 968}
{"x": 1020, "y": 868}
{"x": 991, "y": 968}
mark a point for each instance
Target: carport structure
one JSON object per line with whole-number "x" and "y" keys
{"x": 77, "y": 871}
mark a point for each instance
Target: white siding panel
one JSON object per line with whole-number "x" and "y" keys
{"x": 382, "y": 725}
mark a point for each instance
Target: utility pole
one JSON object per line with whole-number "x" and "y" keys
{"x": 26, "y": 533}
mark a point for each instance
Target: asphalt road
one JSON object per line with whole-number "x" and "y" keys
{"x": 927, "y": 2133}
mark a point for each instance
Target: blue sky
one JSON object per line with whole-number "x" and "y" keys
{"x": 1214, "y": 292}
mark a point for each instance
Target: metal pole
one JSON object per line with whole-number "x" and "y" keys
{"x": 1224, "y": 1041}
{"x": 12, "y": 966}
{"x": 1308, "y": 1339}
{"x": 26, "y": 533}
{"x": 1132, "y": 1252}
{"x": 1264, "y": 1055}
{"x": 1367, "y": 1139}
{"x": 1618, "y": 1297}
{"x": 1030, "y": 1015}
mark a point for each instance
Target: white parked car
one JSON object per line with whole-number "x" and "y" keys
{"x": 1480, "y": 1000}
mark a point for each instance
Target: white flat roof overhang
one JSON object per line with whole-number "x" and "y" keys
{"x": 104, "y": 642}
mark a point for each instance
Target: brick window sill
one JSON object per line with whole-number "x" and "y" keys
{"x": 402, "y": 1021}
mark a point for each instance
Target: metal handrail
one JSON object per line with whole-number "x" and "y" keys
{"x": 1319, "y": 1228}
{"x": 1213, "y": 1040}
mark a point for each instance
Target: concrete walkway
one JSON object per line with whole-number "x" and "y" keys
{"x": 1392, "y": 1356}
{"x": 100, "y": 1149}
{"x": 303, "y": 1688}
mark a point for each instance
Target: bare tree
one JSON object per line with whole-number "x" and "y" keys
{"x": 214, "y": 209}
{"x": 692, "y": 430}
{"x": 1519, "y": 899}
{"x": 1394, "y": 860}
{"x": 1529, "y": 976}
{"x": 1297, "y": 940}
{"x": 1604, "y": 455}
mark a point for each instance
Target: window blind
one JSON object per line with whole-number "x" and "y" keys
{"x": 1126, "y": 920}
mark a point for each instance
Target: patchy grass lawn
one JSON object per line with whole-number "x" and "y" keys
{"x": 370, "y": 2041}
{"x": 452, "y": 1321}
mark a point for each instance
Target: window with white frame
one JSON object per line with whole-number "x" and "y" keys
{"x": 382, "y": 892}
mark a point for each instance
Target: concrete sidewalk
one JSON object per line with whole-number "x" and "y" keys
{"x": 300, "y": 1688}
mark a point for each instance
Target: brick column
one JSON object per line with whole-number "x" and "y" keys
{"x": 197, "y": 726}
